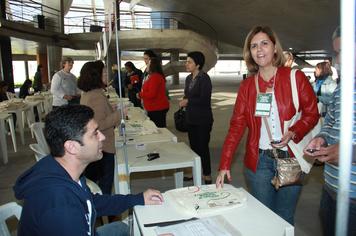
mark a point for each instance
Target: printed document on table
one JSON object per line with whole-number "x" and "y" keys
{"x": 210, "y": 226}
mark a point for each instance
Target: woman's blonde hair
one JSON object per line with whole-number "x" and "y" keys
{"x": 278, "y": 59}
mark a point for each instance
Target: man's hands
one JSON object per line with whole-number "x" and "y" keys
{"x": 317, "y": 148}
{"x": 220, "y": 178}
{"x": 152, "y": 197}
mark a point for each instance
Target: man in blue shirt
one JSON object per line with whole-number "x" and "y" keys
{"x": 326, "y": 144}
{"x": 57, "y": 200}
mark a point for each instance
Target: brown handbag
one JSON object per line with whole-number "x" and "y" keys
{"x": 288, "y": 172}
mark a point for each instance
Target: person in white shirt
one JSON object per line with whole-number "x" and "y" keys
{"x": 64, "y": 85}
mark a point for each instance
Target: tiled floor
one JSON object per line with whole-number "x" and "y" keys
{"x": 223, "y": 98}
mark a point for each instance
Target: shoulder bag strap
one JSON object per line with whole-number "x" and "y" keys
{"x": 293, "y": 83}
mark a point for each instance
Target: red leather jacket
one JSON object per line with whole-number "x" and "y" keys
{"x": 243, "y": 115}
{"x": 153, "y": 93}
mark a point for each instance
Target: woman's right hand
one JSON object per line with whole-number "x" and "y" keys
{"x": 183, "y": 103}
{"x": 221, "y": 176}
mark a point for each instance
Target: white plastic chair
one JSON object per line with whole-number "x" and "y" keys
{"x": 37, "y": 129}
{"x": 94, "y": 188}
{"x": 38, "y": 151}
{"x": 6, "y": 211}
{"x": 10, "y": 95}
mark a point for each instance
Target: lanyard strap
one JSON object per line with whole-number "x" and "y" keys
{"x": 264, "y": 119}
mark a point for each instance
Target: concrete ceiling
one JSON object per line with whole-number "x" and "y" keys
{"x": 303, "y": 25}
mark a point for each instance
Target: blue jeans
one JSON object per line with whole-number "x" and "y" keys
{"x": 283, "y": 201}
{"x": 327, "y": 214}
{"x": 113, "y": 229}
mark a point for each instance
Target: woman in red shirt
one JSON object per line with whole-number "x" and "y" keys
{"x": 153, "y": 94}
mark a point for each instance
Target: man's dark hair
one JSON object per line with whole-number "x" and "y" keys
{"x": 150, "y": 53}
{"x": 66, "y": 123}
{"x": 198, "y": 58}
{"x": 90, "y": 76}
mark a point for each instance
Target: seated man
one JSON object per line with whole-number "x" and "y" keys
{"x": 57, "y": 200}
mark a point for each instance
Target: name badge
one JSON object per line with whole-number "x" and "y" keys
{"x": 263, "y": 104}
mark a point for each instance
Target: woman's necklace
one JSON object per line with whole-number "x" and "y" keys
{"x": 270, "y": 83}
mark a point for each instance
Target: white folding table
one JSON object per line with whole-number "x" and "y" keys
{"x": 172, "y": 156}
{"x": 163, "y": 135}
{"x": 252, "y": 219}
{"x": 3, "y": 118}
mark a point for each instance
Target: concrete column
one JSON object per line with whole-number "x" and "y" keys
{"x": 175, "y": 58}
{"x": 54, "y": 57}
{"x": 41, "y": 58}
{"x": 110, "y": 61}
{"x": 6, "y": 53}
{"x": 26, "y": 69}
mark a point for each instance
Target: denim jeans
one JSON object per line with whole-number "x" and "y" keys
{"x": 113, "y": 229}
{"x": 327, "y": 213}
{"x": 283, "y": 201}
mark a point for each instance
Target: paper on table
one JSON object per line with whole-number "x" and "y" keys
{"x": 210, "y": 226}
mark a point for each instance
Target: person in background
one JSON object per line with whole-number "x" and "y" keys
{"x": 289, "y": 58}
{"x": 56, "y": 198}
{"x": 64, "y": 85}
{"x": 324, "y": 85}
{"x": 92, "y": 81}
{"x": 153, "y": 94}
{"x": 4, "y": 86}
{"x": 264, "y": 58}
{"x": 199, "y": 116}
{"x": 147, "y": 55}
{"x": 25, "y": 89}
{"x": 116, "y": 82}
{"x": 133, "y": 82}
{"x": 37, "y": 81}
{"x": 325, "y": 148}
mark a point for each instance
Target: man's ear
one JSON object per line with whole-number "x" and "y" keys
{"x": 71, "y": 147}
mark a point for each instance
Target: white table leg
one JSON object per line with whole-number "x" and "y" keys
{"x": 12, "y": 131}
{"x": 178, "y": 178}
{"x": 19, "y": 120}
{"x": 197, "y": 171}
{"x": 122, "y": 185}
{"x": 3, "y": 141}
{"x": 136, "y": 229}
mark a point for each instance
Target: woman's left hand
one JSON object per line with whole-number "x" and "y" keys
{"x": 285, "y": 140}
{"x": 183, "y": 103}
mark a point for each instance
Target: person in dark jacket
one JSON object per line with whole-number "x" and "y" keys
{"x": 37, "y": 80}
{"x": 24, "y": 89}
{"x": 4, "y": 86}
{"x": 199, "y": 117}
{"x": 133, "y": 82}
{"x": 56, "y": 199}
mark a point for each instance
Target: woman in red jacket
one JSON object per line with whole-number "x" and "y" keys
{"x": 264, "y": 58}
{"x": 153, "y": 94}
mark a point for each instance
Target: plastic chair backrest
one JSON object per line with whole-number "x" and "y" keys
{"x": 10, "y": 95}
{"x": 6, "y": 211}
{"x": 39, "y": 152}
{"x": 94, "y": 188}
{"x": 37, "y": 129}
